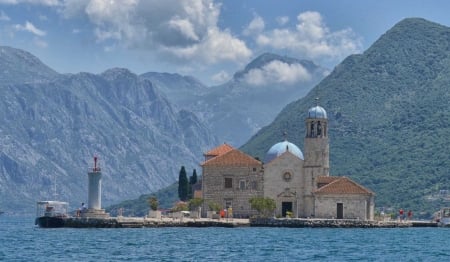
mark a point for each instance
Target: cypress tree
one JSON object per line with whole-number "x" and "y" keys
{"x": 192, "y": 181}
{"x": 193, "y": 178}
{"x": 183, "y": 185}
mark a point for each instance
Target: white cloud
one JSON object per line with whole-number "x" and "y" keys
{"x": 282, "y": 20}
{"x": 29, "y": 27}
{"x": 220, "y": 77}
{"x": 277, "y": 72}
{"x": 4, "y": 17}
{"x": 312, "y": 39}
{"x": 256, "y": 26}
{"x": 183, "y": 30}
{"x": 217, "y": 46}
{"x": 36, "y": 2}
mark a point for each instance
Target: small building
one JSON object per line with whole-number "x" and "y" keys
{"x": 232, "y": 179}
{"x": 299, "y": 184}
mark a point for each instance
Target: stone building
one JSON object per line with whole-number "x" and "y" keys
{"x": 299, "y": 184}
{"x": 232, "y": 178}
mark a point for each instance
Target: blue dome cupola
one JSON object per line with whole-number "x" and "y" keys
{"x": 316, "y": 122}
{"x": 280, "y": 148}
{"x": 317, "y": 112}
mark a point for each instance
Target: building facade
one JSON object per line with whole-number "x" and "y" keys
{"x": 299, "y": 184}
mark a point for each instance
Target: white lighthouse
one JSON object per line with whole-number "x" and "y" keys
{"x": 95, "y": 192}
{"x": 95, "y": 187}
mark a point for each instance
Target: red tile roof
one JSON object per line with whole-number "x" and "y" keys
{"x": 342, "y": 185}
{"x": 232, "y": 158}
{"x": 326, "y": 179}
{"x": 220, "y": 150}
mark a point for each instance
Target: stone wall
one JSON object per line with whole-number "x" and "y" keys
{"x": 247, "y": 182}
{"x": 355, "y": 206}
{"x": 329, "y": 223}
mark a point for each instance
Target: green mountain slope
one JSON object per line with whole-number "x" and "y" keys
{"x": 389, "y": 116}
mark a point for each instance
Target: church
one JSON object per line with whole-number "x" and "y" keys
{"x": 299, "y": 183}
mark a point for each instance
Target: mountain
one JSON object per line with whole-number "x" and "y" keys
{"x": 389, "y": 117}
{"x": 250, "y": 100}
{"x": 18, "y": 66}
{"x": 182, "y": 91}
{"x": 51, "y": 126}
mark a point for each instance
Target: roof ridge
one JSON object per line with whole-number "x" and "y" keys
{"x": 219, "y": 150}
{"x": 233, "y": 151}
{"x": 343, "y": 179}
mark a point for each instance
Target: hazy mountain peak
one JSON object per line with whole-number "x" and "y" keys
{"x": 117, "y": 72}
{"x": 19, "y": 66}
{"x": 270, "y": 69}
{"x": 267, "y": 58}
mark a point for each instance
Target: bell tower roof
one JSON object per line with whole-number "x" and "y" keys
{"x": 317, "y": 112}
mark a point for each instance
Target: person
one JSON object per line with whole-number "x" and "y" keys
{"x": 410, "y": 215}
{"x": 230, "y": 212}
{"x": 83, "y": 207}
{"x": 401, "y": 214}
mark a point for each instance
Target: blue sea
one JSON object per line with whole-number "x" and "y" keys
{"x": 20, "y": 240}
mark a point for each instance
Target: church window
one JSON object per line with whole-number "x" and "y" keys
{"x": 287, "y": 176}
{"x": 319, "y": 129}
{"x": 228, "y": 182}
{"x": 254, "y": 185}
{"x": 242, "y": 185}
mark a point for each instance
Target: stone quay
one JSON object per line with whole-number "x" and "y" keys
{"x": 145, "y": 222}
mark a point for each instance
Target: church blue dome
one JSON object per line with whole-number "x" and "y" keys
{"x": 281, "y": 147}
{"x": 317, "y": 112}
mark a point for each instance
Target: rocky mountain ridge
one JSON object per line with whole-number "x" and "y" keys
{"x": 237, "y": 109}
{"x": 51, "y": 126}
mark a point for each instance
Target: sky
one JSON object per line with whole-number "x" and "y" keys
{"x": 207, "y": 39}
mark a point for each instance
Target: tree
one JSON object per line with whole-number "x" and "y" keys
{"x": 180, "y": 206}
{"x": 192, "y": 181}
{"x": 193, "y": 178}
{"x": 214, "y": 206}
{"x": 264, "y": 206}
{"x": 183, "y": 185}
{"x": 153, "y": 202}
{"x": 195, "y": 203}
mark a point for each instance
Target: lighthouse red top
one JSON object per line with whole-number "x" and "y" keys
{"x": 95, "y": 169}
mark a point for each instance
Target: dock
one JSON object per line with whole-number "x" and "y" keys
{"x": 337, "y": 223}
{"x": 144, "y": 222}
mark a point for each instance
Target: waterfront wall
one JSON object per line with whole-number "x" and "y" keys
{"x": 331, "y": 223}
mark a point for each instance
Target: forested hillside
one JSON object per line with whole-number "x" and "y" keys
{"x": 389, "y": 116}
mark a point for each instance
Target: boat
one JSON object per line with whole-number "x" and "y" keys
{"x": 443, "y": 217}
{"x": 51, "y": 213}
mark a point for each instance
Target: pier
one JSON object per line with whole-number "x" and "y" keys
{"x": 336, "y": 223}
{"x": 144, "y": 222}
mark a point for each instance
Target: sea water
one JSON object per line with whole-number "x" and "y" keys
{"x": 21, "y": 240}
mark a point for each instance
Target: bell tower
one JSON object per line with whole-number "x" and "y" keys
{"x": 316, "y": 149}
